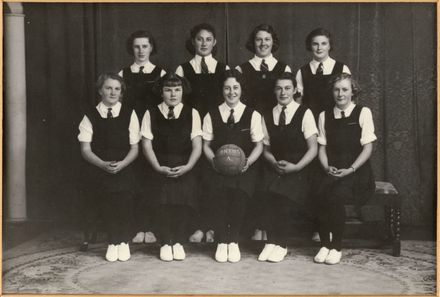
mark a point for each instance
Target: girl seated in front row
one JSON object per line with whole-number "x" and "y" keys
{"x": 289, "y": 147}
{"x": 232, "y": 122}
{"x": 346, "y": 136}
{"x": 109, "y": 136}
{"x": 172, "y": 143}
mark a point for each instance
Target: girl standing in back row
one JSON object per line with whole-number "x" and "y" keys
{"x": 204, "y": 73}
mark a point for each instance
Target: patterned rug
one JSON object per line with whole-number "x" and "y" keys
{"x": 52, "y": 264}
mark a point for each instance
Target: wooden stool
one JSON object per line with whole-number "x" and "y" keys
{"x": 387, "y": 196}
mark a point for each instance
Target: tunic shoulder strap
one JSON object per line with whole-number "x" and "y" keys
{"x": 156, "y": 71}
{"x": 306, "y": 71}
{"x": 220, "y": 68}
{"x": 188, "y": 70}
{"x": 279, "y": 68}
{"x": 216, "y": 118}
{"x": 299, "y": 115}
{"x": 356, "y": 113}
{"x": 339, "y": 66}
{"x": 246, "y": 67}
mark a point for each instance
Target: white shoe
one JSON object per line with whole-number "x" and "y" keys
{"x": 277, "y": 254}
{"x": 321, "y": 255}
{"x": 196, "y": 236}
{"x": 333, "y": 257}
{"x": 112, "y": 253}
{"x": 233, "y": 252}
{"x": 123, "y": 252}
{"x": 221, "y": 254}
{"x": 267, "y": 250}
{"x": 139, "y": 238}
{"x": 166, "y": 253}
{"x": 178, "y": 252}
{"x": 209, "y": 236}
{"x": 315, "y": 237}
{"x": 149, "y": 237}
{"x": 258, "y": 235}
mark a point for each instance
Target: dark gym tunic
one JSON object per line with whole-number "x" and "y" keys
{"x": 139, "y": 90}
{"x": 239, "y": 135}
{"x": 206, "y": 88}
{"x": 317, "y": 91}
{"x": 173, "y": 146}
{"x": 111, "y": 142}
{"x": 287, "y": 143}
{"x": 343, "y": 148}
{"x": 258, "y": 87}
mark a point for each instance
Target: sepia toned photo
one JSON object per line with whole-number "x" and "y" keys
{"x": 219, "y": 148}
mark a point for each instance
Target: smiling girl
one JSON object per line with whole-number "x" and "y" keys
{"x": 314, "y": 77}
{"x": 172, "y": 143}
{"x": 261, "y": 71}
{"x": 231, "y": 123}
{"x": 289, "y": 147}
{"x": 204, "y": 73}
{"x": 346, "y": 136}
{"x": 109, "y": 136}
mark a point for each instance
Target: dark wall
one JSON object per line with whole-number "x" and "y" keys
{"x": 390, "y": 48}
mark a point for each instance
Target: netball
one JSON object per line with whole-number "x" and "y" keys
{"x": 230, "y": 159}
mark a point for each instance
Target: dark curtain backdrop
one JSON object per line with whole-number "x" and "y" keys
{"x": 390, "y": 48}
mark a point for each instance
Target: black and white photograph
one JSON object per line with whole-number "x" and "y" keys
{"x": 219, "y": 148}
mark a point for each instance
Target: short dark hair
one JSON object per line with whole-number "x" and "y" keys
{"x": 250, "y": 44}
{"x": 171, "y": 80}
{"x": 354, "y": 84}
{"x": 287, "y": 76}
{"x": 318, "y": 32}
{"x": 233, "y": 73}
{"x": 140, "y": 34}
{"x": 193, "y": 33}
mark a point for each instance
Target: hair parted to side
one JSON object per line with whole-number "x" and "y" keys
{"x": 193, "y": 33}
{"x": 287, "y": 76}
{"x": 354, "y": 84}
{"x": 318, "y": 32}
{"x": 250, "y": 44}
{"x": 109, "y": 75}
{"x": 140, "y": 34}
{"x": 171, "y": 80}
{"x": 233, "y": 73}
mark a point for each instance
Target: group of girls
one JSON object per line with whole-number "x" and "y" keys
{"x": 281, "y": 121}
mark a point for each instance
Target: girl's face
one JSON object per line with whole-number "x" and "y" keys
{"x": 263, "y": 44}
{"x": 342, "y": 93}
{"x": 142, "y": 50}
{"x": 231, "y": 91}
{"x": 284, "y": 91}
{"x": 110, "y": 92}
{"x": 320, "y": 47}
{"x": 204, "y": 42}
{"x": 172, "y": 95}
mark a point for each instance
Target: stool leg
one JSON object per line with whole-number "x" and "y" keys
{"x": 396, "y": 238}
